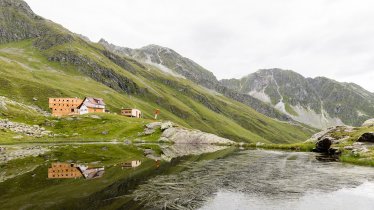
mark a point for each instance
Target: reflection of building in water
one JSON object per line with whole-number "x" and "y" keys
{"x": 91, "y": 173}
{"x": 71, "y": 170}
{"x": 132, "y": 164}
{"x": 63, "y": 170}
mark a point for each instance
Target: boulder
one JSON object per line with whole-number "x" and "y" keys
{"x": 151, "y": 128}
{"x": 185, "y": 136}
{"x": 323, "y": 145}
{"x": 367, "y": 137}
{"x": 368, "y": 123}
{"x": 348, "y": 147}
{"x": 153, "y": 125}
{"x": 166, "y": 125}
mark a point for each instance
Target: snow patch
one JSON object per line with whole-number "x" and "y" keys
{"x": 161, "y": 67}
{"x": 281, "y": 107}
{"x": 260, "y": 95}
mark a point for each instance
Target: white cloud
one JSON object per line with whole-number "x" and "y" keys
{"x": 332, "y": 38}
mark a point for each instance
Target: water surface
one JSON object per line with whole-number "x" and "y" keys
{"x": 257, "y": 179}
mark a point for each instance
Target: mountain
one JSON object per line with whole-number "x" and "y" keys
{"x": 176, "y": 65}
{"x": 319, "y": 102}
{"x": 40, "y": 59}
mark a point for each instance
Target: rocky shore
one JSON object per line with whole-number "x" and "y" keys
{"x": 336, "y": 140}
{"x": 23, "y": 129}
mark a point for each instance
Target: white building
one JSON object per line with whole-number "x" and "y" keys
{"x": 131, "y": 113}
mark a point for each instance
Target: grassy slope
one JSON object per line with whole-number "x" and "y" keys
{"x": 26, "y": 73}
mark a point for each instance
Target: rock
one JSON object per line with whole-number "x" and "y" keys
{"x": 184, "y": 136}
{"x": 166, "y": 125}
{"x": 34, "y": 99}
{"x": 323, "y": 145}
{"x": 367, "y": 137}
{"x": 2, "y": 149}
{"x": 153, "y": 125}
{"x": 105, "y": 132}
{"x": 147, "y": 131}
{"x": 149, "y": 152}
{"x": 334, "y": 151}
{"x": 95, "y": 117}
{"x": 258, "y": 144}
{"x": 128, "y": 142}
{"x": 17, "y": 137}
{"x": 358, "y": 143}
{"x": 320, "y": 135}
{"x": 348, "y": 147}
{"x": 164, "y": 140}
{"x": 151, "y": 128}
{"x": 23, "y": 129}
{"x": 104, "y": 148}
{"x": 368, "y": 123}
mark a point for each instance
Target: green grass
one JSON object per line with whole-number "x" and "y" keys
{"x": 305, "y": 147}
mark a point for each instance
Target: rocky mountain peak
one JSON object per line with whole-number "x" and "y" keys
{"x": 18, "y": 5}
{"x": 320, "y": 102}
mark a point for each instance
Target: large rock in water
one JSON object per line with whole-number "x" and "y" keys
{"x": 323, "y": 145}
{"x": 185, "y": 136}
{"x": 367, "y": 137}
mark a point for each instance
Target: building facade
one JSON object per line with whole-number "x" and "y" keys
{"x": 64, "y": 106}
{"x": 64, "y": 171}
{"x": 131, "y": 113}
{"x": 91, "y": 105}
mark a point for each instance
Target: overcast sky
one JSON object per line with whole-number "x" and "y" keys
{"x": 332, "y": 38}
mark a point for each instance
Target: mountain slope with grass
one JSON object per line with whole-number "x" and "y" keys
{"x": 174, "y": 64}
{"x": 54, "y": 62}
{"x": 319, "y": 102}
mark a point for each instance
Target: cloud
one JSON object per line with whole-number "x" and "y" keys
{"x": 332, "y": 38}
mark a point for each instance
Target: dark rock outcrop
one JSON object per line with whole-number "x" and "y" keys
{"x": 367, "y": 137}
{"x": 100, "y": 73}
{"x": 323, "y": 145}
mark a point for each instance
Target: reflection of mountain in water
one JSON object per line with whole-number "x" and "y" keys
{"x": 278, "y": 176}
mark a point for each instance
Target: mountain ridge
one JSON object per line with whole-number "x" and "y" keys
{"x": 168, "y": 62}
{"x": 327, "y": 101}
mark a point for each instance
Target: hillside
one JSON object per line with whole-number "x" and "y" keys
{"x": 319, "y": 102}
{"x": 45, "y": 60}
{"x": 176, "y": 65}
